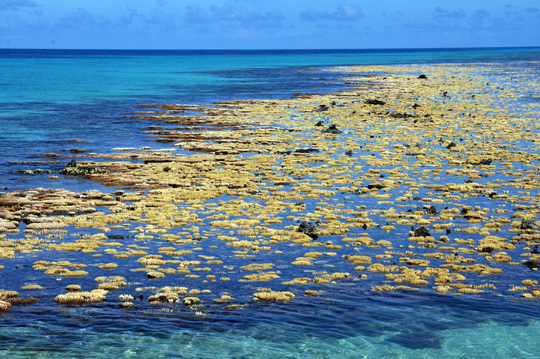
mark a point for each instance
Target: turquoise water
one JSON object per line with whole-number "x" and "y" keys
{"x": 50, "y": 97}
{"x": 340, "y": 325}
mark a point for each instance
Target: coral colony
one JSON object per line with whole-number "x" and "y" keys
{"x": 400, "y": 183}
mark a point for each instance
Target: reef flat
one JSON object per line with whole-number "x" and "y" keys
{"x": 418, "y": 178}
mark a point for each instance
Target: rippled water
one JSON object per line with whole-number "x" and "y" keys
{"x": 342, "y": 324}
{"x": 51, "y": 97}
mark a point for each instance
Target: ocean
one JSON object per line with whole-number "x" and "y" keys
{"x": 51, "y": 100}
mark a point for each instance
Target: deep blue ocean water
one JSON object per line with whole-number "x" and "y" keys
{"x": 48, "y": 98}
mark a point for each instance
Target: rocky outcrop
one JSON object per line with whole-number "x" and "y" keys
{"x": 421, "y": 232}
{"x": 73, "y": 169}
{"x": 332, "y": 129}
{"x": 374, "y": 102}
{"x": 308, "y": 229}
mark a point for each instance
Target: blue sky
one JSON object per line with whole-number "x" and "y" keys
{"x": 267, "y": 24}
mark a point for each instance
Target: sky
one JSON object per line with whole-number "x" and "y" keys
{"x": 268, "y": 24}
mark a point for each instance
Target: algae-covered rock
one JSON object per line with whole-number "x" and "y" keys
{"x": 528, "y": 225}
{"x": 273, "y": 296}
{"x": 72, "y": 169}
{"x": 191, "y": 301}
{"x": 4, "y": 306}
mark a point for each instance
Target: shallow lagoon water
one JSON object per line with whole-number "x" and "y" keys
{"x": 342, "y": 322}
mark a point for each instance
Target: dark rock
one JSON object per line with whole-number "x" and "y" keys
{"x": 322, "y": 108}
{"x": 528, "y": 225}
{"x": 116, "y": 236}
{"x": 401, "y": 115}
{"x": 374, "y": 102}
{"x": 156, "y": 160}
{"x": 308, "y": 229}
{"x": 305, "y": 150}
{"x": 422, "y": 77}
{"x": 431, "y": 210}
{"x": 533, "y": 265}
{"x": 451, "y": 145}
{"x": 333, "y": 130}
{"x": 487, "y": 249}
{"x": 166, "y": 169}
{"x": 319, "y": 124}
{"x": 421, "y": 232}
{"x": 349, "y": 153}
{"x": 231, "y": 186}
{"x": 375, "y": 185}
{"x": 486, "y": 161}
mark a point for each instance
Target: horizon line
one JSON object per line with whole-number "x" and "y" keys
{"x": 278, "y": 49}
